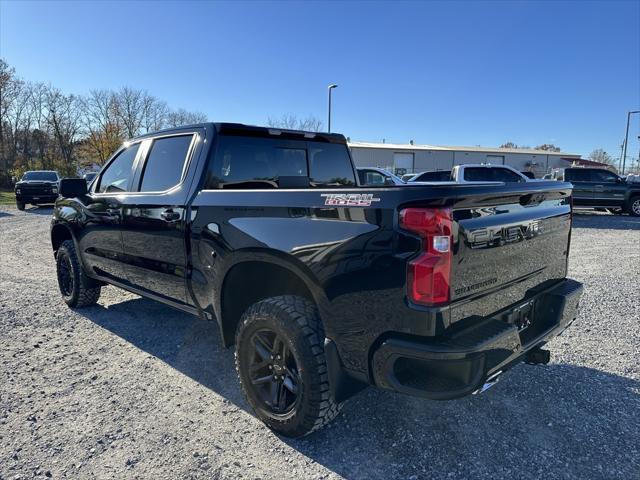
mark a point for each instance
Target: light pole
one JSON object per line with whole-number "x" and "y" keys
{"x": 331, "y": 87}
{"x": 626, "y": 140}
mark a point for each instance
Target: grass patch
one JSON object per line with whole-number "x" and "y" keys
{"x": 7, "y": 197}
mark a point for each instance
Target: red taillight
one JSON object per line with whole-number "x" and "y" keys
{"x": 429, "y": 275}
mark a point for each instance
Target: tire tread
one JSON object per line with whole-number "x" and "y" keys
{"x": 305, "y": 314}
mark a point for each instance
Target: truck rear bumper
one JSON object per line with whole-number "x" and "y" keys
{"x": 460, "y": 362}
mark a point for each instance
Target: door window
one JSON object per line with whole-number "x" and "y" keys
{"x": 577, "y": 175}
{"x": 604, "y": 176}
{"x": 117, "y": 175}
{"x": 165, "y": 163}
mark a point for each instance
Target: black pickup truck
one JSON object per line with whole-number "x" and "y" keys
{"x": 600, "y": 188}
{"x": 323, "y": 286}
{"x": 37, "y": 187}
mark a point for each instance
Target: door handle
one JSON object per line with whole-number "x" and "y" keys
{"x": 599, "y": 187}
{"x": 170, "y": 216}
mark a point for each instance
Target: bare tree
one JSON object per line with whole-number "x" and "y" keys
{"x": 64, "y": 116}
{"x": 15, "y": 99}
{"x": 290, "y": 121}
{"x": 130, "y": 109}
{"x": 180, "y": 117}
{"x": 42, "y": 127}
{"x": 103, "y": 132}
{"x": 40, "y": 136}
{"x": 599, "y": 155}
{"x": 549, "y": 147}
{"x": 155, "y": 114}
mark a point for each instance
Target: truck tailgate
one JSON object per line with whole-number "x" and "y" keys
{"x": 507, "y": 251}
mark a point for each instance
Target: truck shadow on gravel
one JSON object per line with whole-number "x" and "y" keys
{"x": 589, "y": 219}
{"x": 39, "y": 210}
{"x": 561, "y": 420}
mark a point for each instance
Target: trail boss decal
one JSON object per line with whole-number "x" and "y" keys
{"x": 349, "y": 199}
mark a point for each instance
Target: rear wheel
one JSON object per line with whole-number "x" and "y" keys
{"x": 20, "y": 205}
{"x": 634, "y": 207}
{"x": 282, "y": 368}
{"x": 76, "y": 288}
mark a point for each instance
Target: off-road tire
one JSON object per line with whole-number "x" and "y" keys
{"x": 84, "y": 291}
{"x": 295, "y": 319}
{"x": 634, "y": 206}
{"x": 20, "y": 205}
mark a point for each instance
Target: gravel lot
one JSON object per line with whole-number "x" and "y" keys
{"x": 133, "y": 389}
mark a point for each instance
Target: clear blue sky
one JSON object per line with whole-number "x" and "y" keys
{"x": 468, "y": 73}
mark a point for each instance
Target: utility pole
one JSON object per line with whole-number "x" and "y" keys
{"x": 620, "y": 159}
{"x": 626, "y": 141}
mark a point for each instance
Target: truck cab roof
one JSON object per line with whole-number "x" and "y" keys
{"x": 240, "y": 129}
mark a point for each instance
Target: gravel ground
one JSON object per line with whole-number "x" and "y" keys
{"x": 132, "y": 389}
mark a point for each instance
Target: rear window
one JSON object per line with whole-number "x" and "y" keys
{"x": 437, "y": 176}
{"x": 482, "y": 174}
{"x": 256, "y": 163}
{"x": 165, "y": 162}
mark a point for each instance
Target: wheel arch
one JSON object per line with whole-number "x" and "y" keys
{"x": 254, "y": 276}
{"x": 59, "y": 233}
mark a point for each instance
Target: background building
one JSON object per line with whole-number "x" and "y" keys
{"x": 408, "y": 158}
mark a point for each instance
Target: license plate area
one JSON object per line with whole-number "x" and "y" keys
{"x": 522, "y": 315}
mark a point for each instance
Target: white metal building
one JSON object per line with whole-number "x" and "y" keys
{"x": 407, "y": 158}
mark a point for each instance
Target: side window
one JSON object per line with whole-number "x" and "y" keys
{"x": 329, "y": 165}
{"x": 577, "y": 175}
{"x": 603, "y": 176}
{"x": 437, "y": 176}
{"x": 165, "y": 162}
{"x": 255, "y": 163}
{"x": 118, "y": 174}
{"x": 371, "y": 177}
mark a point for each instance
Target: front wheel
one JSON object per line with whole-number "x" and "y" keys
{"x": 634, "y": 207}
{"x": 20, "y": 205}
{"x": 282, "y": 367}
{"x": 76, "y": 288}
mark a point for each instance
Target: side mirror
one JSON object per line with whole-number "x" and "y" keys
{"x": 388, "y": 181}
{"x": 73, "y": 187}
{"x": 619, "y": 180}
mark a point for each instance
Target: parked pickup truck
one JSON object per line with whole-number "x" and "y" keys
{"x": 600, "y": 188}
{"x": 37, "y": 187}
{"x": 481, "y": 172}
{"x": 322, "y": 285}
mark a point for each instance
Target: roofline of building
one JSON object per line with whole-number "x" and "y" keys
{"x": 443, "y": 148}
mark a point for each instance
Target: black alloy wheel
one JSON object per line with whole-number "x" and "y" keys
{"x": 273, "y": 371}
{"x": 65, "y": 275}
